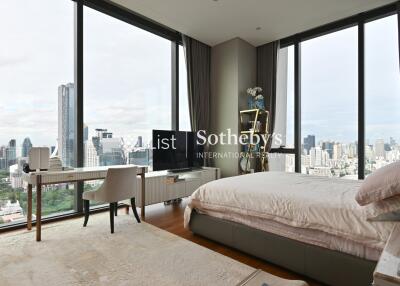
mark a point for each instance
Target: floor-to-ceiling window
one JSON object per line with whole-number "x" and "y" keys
{"x": 36, "y": 95}
{"x": 329, "y": 104}
{"x": 382, "y": 94}
{"x": 127, "y": 90}
{"x": 284, "y": 115}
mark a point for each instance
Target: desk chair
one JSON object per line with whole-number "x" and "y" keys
{"x": 120, "y": 184}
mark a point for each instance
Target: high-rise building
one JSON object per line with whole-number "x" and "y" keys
{"x": 85, "y": 133}
{"x": 309, "y": 142}
{"x": 139, "y": 142}
{"x": 103, "y": 133}
{"x": 140, "y": 157}
{"x": 380, "y": 148}
{"x": 328, "y": 147}
{"x": 112, "y": 152}
{"x": 3, "y": 164}
{"x": 2, "y": 151}
{"x": 92, "y": 158}
{"x": 337, "y": 151}
{"x": 316, "y": 157}
{"x": 11, "y": 153}
{"x": 15, "y": 171}
{"x": 66, "y": 102}
{"x": 26, "y": 147}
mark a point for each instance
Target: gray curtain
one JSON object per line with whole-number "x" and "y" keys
{"x": 198, "y": 64}
{"x": 267, "y": 63}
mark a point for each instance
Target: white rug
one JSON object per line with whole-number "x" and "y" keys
{"x": 136, "y": 254}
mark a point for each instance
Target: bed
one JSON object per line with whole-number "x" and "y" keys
{"x": 311, "y": 225}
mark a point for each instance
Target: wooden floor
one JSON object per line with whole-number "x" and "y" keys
{"x": 170, "y": 218}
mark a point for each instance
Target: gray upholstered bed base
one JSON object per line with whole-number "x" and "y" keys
{"x": 325, "y": 265}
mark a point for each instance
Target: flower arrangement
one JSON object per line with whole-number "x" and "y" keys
{"x": 256, "y": 99}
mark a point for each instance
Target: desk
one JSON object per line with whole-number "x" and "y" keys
{"x": 42, "y": 178}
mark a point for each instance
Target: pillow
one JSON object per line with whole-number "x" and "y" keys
{"x": 381, "y": 184}
{"x": 384, "y": 210}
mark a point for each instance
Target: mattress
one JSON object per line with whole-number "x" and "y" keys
{"x": 315, "y": 210}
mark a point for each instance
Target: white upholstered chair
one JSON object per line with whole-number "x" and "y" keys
{"x": 120, "y": 184}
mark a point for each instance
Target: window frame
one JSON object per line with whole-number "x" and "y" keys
{"x": 134, "y": 19}
{"x": 358, "y": 20}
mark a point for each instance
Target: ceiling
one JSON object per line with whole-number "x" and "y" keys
{"x": 213, "y": 22}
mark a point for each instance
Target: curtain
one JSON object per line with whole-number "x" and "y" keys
{"x": 198, "y": 64}
{"x": 267, "y": 64}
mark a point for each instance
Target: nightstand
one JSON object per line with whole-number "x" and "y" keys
{"x": 387, "y": 270}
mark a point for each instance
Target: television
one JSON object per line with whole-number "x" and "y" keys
{"x": 176, "y": 151}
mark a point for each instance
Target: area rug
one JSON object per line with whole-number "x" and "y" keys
{"x": 136, "y": 254}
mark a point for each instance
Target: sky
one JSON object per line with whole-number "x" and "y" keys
{"x": 127, "y": 80}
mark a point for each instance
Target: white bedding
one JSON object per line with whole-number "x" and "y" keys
{"x": 298, "y": 201}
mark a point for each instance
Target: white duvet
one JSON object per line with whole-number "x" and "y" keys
{"x": 298, "y": 201}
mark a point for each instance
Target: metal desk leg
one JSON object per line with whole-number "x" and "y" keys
{"x": 142, "y": 211}
{"x": 29, "y": 214}
{"x": 39, "y": 209}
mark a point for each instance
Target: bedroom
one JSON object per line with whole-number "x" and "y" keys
{"x": 295, "y": 102}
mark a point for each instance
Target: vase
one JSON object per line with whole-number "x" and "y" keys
{"x": 259, "y": 103}
{"x": 251, "y": 103}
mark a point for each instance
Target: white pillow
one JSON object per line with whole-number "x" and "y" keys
{"x": 381, "y": 184}
{"x": 384, "y": 210}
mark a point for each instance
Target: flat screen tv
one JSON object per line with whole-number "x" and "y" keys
{"x": 176, "y": 150}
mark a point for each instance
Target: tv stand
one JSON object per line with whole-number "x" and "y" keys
{"x": 177, "y": 171}
{"x": 160, "y": 189}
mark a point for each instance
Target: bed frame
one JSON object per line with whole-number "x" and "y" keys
{"x": 325, "y": 265}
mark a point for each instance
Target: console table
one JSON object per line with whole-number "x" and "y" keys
{"x": 42, "y": 178}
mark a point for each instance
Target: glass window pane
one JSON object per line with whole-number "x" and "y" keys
{"x": 284, "y": 119}
{"x": 127, "y": 91}
{"x": 281, "y": 162}
{"x": 36, "y": 78}
{"x": 382, "y": 91}
{"x": 184, "y": 118}
{"x": 127, "y": 74}
{"x": 329, "y": 94}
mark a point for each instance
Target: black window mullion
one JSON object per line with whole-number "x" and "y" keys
{"x": 297, "y": 106}
{"x": 361, "y": 100}
{"x": 175, "y": 86}
{"x": 78, "y": 79}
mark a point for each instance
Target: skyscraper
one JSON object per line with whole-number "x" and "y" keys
{"x": 139, "y": 142}
{"x": 66, "y": 102}
{"x": 11, "y": 153}
{"x": 26, "y": 147}
{"x": 85, "y": 133}
{"x": 380, "y": 148}
{"x": 309, "y": 142}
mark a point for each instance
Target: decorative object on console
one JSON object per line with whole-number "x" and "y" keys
{"x": 55, "y": 164}
{"x": 256, "y": 99}
{"x": 39, "y": 158}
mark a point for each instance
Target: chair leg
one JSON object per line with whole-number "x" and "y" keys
{"x": 133, "y": 203}
{"x": 116, "y": 208}
{"x": 86, "y": 207}
{"x": 112, "y": 217}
